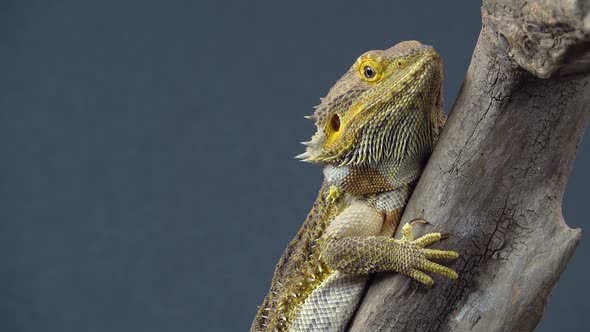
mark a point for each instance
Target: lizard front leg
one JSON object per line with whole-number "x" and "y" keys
{"x": 352, "y": 245}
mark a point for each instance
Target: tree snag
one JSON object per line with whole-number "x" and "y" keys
{"x": 495, "y": 182}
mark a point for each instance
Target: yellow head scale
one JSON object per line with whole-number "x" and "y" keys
{"x": 372, "y": 113}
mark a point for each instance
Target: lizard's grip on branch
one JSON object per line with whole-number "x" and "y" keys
{"x": 361, "y": 255}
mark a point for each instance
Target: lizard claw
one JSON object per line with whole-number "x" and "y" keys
{"x": 413, "y": 222}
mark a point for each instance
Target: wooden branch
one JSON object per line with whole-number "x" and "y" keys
{"x": 496, "y": 179}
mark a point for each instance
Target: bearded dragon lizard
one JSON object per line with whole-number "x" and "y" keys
{"x": 376, "y": 129}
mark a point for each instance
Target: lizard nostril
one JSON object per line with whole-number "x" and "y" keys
{"x": 335, "y": 122}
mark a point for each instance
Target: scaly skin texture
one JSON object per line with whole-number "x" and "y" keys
{"x": 376, "y": 129}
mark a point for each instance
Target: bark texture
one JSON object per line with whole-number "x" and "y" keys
{"x": 496, "y": 179}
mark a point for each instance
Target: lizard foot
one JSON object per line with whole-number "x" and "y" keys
{"x": 418, "y": 257}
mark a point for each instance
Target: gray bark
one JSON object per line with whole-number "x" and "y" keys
{"x": 496, "y": 179}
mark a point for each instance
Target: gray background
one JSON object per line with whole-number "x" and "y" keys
{"x": 147, "y": 179}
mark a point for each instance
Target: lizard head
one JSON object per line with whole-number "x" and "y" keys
{"x": 387, "y": 106}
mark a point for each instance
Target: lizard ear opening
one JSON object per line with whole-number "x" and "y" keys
{"x": 335, "y": 122}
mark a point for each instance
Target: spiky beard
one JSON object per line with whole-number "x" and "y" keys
{"x": 395, "y": 137}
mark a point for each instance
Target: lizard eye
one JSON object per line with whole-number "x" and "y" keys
{"x": 369, "y": 72}
{"x": 335, "y": 122}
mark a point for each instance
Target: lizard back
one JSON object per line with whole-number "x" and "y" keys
{"x": 299, "y": 270}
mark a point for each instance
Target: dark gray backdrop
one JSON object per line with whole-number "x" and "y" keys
{"x": 148, "y": 182}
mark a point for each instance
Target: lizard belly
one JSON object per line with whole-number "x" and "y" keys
{"x": 329, "y": 307}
